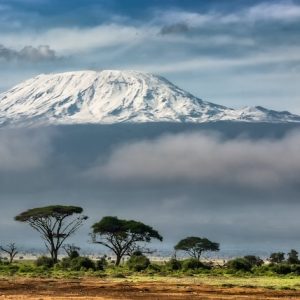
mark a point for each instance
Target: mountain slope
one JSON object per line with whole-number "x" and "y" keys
{"x": 114, "y": 97}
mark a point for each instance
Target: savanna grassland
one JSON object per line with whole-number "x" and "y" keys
{"x": 26, "y": 280}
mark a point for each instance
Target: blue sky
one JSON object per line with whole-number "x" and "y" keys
{"x": 234, "y": 53}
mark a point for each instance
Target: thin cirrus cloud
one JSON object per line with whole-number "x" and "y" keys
{"x": 66, "y": 40}
{"x": 205, "y": 159}
{"x": 286, "y": 11}
{"x": 281, "y": 11}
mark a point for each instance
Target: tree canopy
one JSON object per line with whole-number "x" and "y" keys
{"x": 53, "y": 223}
{"x": 48, "y": 211}
{"x": 277, "y": 257}
{"x": 195, "y": 246}
{"x": 293, "y": 257}
{"x": 122, "y": 236}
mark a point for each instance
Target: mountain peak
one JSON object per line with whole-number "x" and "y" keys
{"x": 113, "y": 96}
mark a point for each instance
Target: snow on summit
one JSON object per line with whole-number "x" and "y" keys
{"x": 115, "y": 96}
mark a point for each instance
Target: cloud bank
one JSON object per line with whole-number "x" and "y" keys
{"x": 206, "y": 159}
{"x": 23, "y": 151}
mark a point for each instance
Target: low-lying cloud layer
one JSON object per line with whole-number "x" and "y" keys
{"x": 206, "y": 159}
{"x": 23, "y": 151}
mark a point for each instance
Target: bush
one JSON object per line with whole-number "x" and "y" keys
{"x": 101, "y": 264}
{"x": 282, "y": 268}
{"x": 27, "y": 268}
{"x": 73, "y": 254}
{"x": 193, "y": 264}
{"x": 154, "y": 268}
{"x": 65, "y": 263}
{"x": 296, "y": 269}
{"x": 173, "y": 264}
{"x": 44, "y": 261}
{"x": 239, "y": 264}
{"x": 81, "y": 263}
{"x": 254, "y": 260}
{"x": 138, "y": 262}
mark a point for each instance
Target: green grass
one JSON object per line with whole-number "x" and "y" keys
{"x": 217, "y": 277}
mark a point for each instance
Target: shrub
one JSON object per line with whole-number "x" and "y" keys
{"x": 193, "y": 264}
{"x": 80, "y": 263}
{"x": 10, "y": 269}
{"x": 65, "y": 263}
{"x": 25, "y": 268}
{"x": 101, "y": 264}
{"x": 282, "y": 268}
{"x": 254, "y": 260}
{"x": 239, "y": 264}
{"x": 173, "y": 264}
{"x": 138, "y": 262}
{"x": 154, "y": 268}
{"x": 296, "y": 269}
{"x": 44, "y": 261}
{"x": 73, "y": 254}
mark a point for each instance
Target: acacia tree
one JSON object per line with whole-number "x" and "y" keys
{"x": 122, "y": 236}
{"x": 54, "y": 224}
{"x": 277, "y": 257}
{"x": 293, "y": 257}
{"x": 11, "y": 250}
{"x": 195, "y": 246}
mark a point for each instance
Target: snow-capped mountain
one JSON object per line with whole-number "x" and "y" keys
{"x": 113, "y": 97}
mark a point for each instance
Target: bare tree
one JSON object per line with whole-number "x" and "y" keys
{"x": 11, "y": 250}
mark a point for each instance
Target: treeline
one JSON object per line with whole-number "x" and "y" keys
{"x": 57, "y": 223}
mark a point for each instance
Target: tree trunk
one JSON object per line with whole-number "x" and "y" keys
{"x": 55, "y": 260}
{"x": 118, "y": 260}
{"x": 54, "y": 254}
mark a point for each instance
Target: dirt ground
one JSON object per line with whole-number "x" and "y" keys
{"x": 96, "y": 289}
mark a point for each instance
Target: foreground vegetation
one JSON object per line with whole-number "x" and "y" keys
{"x": 139, "y": 268}
{"x": 124, "y": 238}
{"x": 222, "y": 279}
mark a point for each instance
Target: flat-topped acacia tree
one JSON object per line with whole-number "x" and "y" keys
{"x": 54, "y": 223}
{"x": 195, "y": 246}
{"x": 122, "y": 236}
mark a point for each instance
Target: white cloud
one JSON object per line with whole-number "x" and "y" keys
{"x": 286, "y": 11}
{"x": 282, "y": 11}
{"x": 74, "y": 40}
{"x": 202, "y": 62}
{"x": 22, "y": 151}
{"x": 205, "y": 159}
